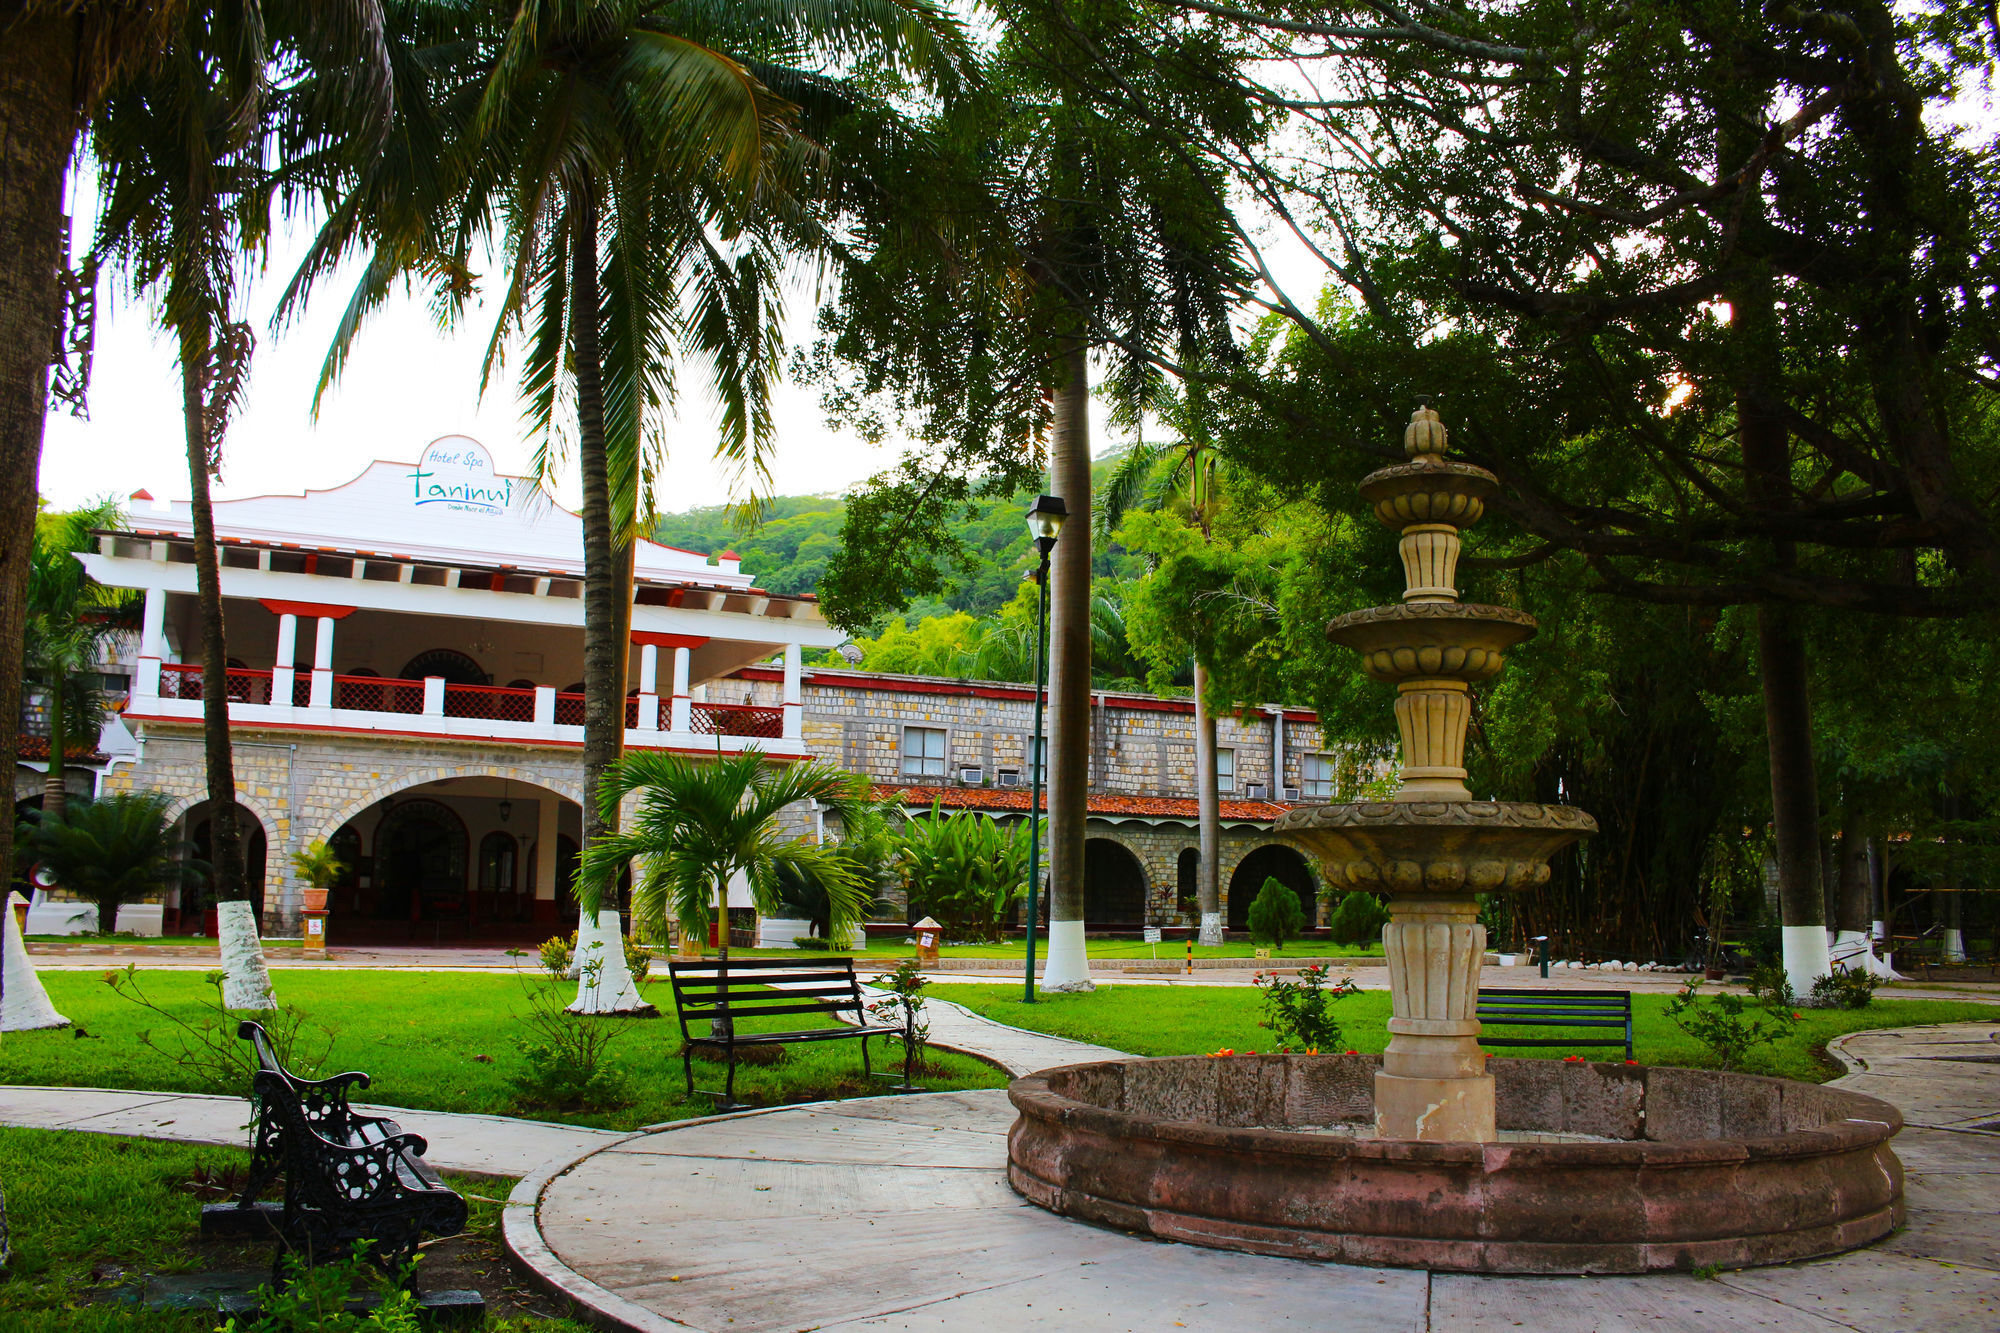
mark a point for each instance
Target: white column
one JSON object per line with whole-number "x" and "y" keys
{"x": 649, "y": 687}
{"x": 322, "y": 681}
{"x": 795, "y": 709}
{"x": 281, "y": 670}
{"x": 152, "y": 644}
{"x": 682, "y": 706}
{"x": 547, "y": 807}
{"x": 434, "y": 696}
{"x": 545, "y": 705}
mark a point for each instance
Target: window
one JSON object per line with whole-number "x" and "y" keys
{"x": 1317, "y": 770}
{"x": 923, "y": 752}
{"x": 1225, "y": 770}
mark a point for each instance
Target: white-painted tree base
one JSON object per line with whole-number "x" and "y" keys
{"x": 24, "y": 1003}
{"x": 1068, "y": 968}
{"x": 1211, "y": 930}
{"x": 1855, "y": 952}
{"x": 246, "y": 982}
{"x": 1806, "y": 957}
{"x": 1951, "y": 945}
{"x": 607, "y": 988}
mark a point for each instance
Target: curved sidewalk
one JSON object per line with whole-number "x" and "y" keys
{"x": 894, "y": 1213}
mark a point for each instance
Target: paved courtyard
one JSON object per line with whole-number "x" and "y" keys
{"x": 896, "y": 1214}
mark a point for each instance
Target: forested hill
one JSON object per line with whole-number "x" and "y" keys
{"x": 788, "y": 551}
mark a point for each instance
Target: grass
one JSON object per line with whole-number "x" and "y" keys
{"x": 1165, "y": 950}
{"x": 92, "y": 937}
{"x": 92, "y": 1213}
{"x": 1193, "y": 1020}
{"x": 442, "y": 1041}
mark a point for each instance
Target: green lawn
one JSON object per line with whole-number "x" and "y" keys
{"x": 92, "y": 1212}
{"x": 1165, "y": 951}
{"x": 1192, "y": 1020}
{"x": 183, "y": 940}
{"x": 420, "y": 1037}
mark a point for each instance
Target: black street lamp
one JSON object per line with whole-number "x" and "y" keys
{"x": 1045, "y": 520}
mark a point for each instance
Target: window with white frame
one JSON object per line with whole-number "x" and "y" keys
{"x": 923, "y": 752}
{"x": 1316, "y": 770}
{"x": 1225, "y": 770}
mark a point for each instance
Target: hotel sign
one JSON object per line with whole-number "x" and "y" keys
{"x": 457, "y": 473}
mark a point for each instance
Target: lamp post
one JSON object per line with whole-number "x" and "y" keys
{"x": 1045, "y": 520}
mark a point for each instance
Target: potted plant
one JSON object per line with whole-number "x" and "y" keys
{"x": 319, "y": 869}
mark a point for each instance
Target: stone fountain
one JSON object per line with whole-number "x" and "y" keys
{"x": 1431, "y": 1154}
{"x": 1434, "y": 849}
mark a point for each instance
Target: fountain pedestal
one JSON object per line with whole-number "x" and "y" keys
{"x": 1434, "y": 1083}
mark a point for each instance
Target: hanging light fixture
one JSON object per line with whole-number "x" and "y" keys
{"x": 506, "y": 806}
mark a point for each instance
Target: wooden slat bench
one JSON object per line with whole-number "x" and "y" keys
{"x": 725, "y": 993}
{"x": 1512, "y": 1007}
{"x": 348, "y": 1176}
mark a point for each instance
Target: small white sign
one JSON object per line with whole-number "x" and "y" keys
{"x": 1152, "y": 934}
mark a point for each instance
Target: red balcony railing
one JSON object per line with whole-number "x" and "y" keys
{"x": 569, "y": 710}
{"x": 738, "y": 720}
{"x": 378, "y": 694}
{"x": 182, "y": 680}
{"x": 489, "y": 701}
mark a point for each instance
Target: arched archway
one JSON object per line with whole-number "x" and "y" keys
{"x": 1274, "y": 860}
{"x": 421, "y": 855}
{"x": 256, "y": 855}
{"x": 1114, "y": 886}
{"x": 1187, "y": 881}
{"x": 454, "y": 666}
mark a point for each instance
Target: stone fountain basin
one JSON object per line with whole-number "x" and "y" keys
{"x": 1694, "y": 1167}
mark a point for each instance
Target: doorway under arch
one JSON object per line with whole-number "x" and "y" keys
{"x": 1271, "y": 861}
{"x": 421, "y": 854}
{"x": 256, "y": 848}
{"x": 1114, "y": 886}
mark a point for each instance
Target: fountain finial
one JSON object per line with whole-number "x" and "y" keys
{"x": 1425, "y": 435}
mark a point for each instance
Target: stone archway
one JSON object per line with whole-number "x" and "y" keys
{"x": 1114, "y": 885}
{"x": 568, "y": 791}
{"x": 1271, "y": 860}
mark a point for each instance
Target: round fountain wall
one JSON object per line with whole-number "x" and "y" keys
{"x": 1597, "y": 1168}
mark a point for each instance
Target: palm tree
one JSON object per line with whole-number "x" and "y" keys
{"x": 113, "y": 851}
{"x": 1182, "y": 472}
{"x": 182, "y": 146}
{"x": 701, "y": 822}
{"x": 643, "y": 171}
{"x": 69, "y": 618}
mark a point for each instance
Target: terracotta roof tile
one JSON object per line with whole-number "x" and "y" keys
{"x": 37, "y": 748}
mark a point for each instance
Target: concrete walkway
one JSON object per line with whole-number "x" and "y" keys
{"x": 894, "y": 1213}
{"x": 488, "y": 1145}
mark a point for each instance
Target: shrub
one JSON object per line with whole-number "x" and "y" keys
{"x": 1772, "y": 987}
{"x": 1300, "y": 1013}
{"x": 1723, "y": 1022}
{"x": 1359, "y": 919}
{"x": 557, "y": 950}
{"x": 1276, "y": 916}
{"x": 903, "y": 1006}
{"x": 111, "y": 851}
{"x": 318, "y": 1299}
{"x": 814, "y": 943}
{"x": 208, "y": 1047}
{"x": 964, "y": 870}
{"x": 1842, "y": 989}
{"x": 568, "y": 1055}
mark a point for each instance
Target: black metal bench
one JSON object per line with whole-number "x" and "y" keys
{"x": 726, "y": 992}
{"x": 1513, "y": 1007}
{"x": 348, "y": 1177}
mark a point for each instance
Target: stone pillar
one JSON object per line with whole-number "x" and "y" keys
{"x": 322, "y": 678}
{"x": 1434, "y": 1083}
{"x": 649, "y": 687}
{"x": 547, "y": 807}
{"x": 288, "y": 651}
{"x": 682, "y": 719}
{"x": 152, "y": 644}
{"x": 795, "y": 710}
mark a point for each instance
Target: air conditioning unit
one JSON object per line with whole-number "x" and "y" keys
{"x": 1009, "y": 777}
{"x": 972, "y": 777}
{"x": 1254, "y": 791}
{"x": 1292, "y": 793}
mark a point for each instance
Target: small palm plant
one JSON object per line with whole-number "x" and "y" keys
{"x": 319, "y": 868}
{"x": 112, "y": 851}
{"x": 700, "y": 822}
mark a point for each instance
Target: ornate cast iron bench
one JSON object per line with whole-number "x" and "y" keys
{"x": 726, "y": 992}
{"x": 348, "y": 1176}
{"x": 1509, "y": 1007}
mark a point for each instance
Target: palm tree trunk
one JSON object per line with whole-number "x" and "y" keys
{"x": 55, "y": 795}
{"x": 604, "y": 620}
{"x": 1068, "y": 965}
{"x": 246, "y": 981}
{"x": 38, "y": 125}
{"x": 1208, "y": 803}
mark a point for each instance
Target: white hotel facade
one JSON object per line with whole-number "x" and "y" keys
{"x": 406, "y": 663}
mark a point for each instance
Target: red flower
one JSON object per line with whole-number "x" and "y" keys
{"x": 1354, "y": 1052}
